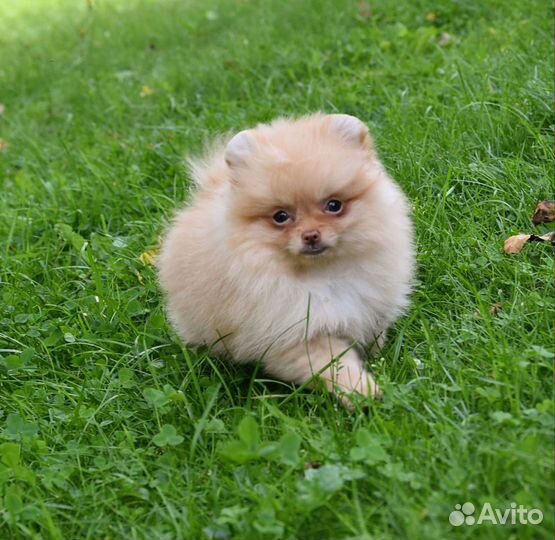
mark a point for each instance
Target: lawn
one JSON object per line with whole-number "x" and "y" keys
{"x": 110, "y": 428}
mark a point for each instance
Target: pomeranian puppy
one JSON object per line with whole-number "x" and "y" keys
{"x": 296, "y": 250}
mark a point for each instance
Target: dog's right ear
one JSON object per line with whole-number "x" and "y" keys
{"x": 238, "y": 149}
{"x": 352, "y": 130}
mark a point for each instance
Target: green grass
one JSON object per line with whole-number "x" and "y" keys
{"x": 110, "y": 428}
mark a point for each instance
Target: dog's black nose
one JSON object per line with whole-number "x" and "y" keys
{"x": 311, "y": 238}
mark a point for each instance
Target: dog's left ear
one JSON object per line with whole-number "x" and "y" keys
{"x": 352, "y": 130}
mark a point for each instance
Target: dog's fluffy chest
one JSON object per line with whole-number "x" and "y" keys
{"x": 345, "y": 304}
{"x": 280, "y": 310}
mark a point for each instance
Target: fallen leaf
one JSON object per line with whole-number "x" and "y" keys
{"x": 148, "y": 258}
{"x": 147, "y": 91}
{"x": 3, "y": 145}
{"x": 364, "y": 9}
{"x": 547, "y": 237}
{"x": 496, "y": 308}
{"x": 514, "y": 244}
{"x": 544, "y": 213}
{"x": 312, "y": 465}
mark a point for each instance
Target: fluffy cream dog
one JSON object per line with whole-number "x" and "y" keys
{"x": 296, "y": 247}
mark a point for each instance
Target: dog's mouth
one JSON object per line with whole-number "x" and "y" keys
{"x": 311, "y": 251}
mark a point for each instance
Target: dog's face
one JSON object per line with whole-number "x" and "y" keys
{"x": 302, "y": 189}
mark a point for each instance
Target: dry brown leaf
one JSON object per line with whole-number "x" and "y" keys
{"x": 547, "y": 237}
{"x": 148, "y": 258}
{"x": 364, "y": 9}
{"x": 544, "y": 213}
{"x": 496, "y": 308}
{"x": 514, "y": 244}
{"x": 3, "y": 145}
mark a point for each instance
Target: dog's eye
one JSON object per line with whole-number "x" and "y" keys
{"x": 333, "y": 206}
{"x": 281, "y": 217}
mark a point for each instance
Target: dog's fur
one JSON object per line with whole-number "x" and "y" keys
{"x": 238, "y": 281}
